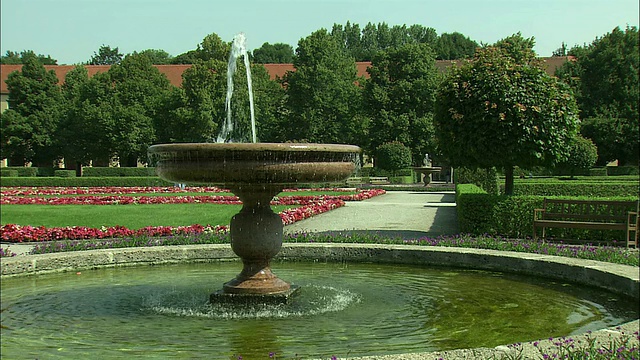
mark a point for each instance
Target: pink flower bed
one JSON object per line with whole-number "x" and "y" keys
{"x": 309, "y": 206}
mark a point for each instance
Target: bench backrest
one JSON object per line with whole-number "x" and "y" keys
{"x": 588, "y": 210}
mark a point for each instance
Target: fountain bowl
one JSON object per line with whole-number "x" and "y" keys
{"x": 232, "y": 164}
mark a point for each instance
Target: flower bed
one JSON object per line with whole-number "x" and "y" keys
{"x": 307, "y": 206}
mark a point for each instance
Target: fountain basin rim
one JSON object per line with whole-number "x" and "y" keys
{"x": 586, "y": 272}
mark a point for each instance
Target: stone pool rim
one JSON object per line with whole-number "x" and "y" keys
{"x": 620, "y": 279}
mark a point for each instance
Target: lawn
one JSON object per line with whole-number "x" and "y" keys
{"x": 130, "y": 216}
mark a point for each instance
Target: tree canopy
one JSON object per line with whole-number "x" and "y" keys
{"x": 605, "y": 78}
{"x": 28, "y": 127}
{"x": 278, "y": 53}
{"x": 106, "y": 56}
{"x": 324, "y": 99}
{"x": 15, "y": 58}
{"x": 503, "y": 110}
{"x": 399, "y": 98}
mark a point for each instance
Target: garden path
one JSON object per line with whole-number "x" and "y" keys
{"x": 407, "y": 214}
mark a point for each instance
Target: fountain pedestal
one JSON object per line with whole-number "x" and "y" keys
{"x": 255, "y": 172}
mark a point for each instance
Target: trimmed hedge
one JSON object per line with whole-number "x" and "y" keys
{"x": 512, "y": 216}
{"x": 622, "y": 170}
{"x": 118, "y": 171}
{"x": 8, "y": 173}
{"x": 64, "y": 173}
{"x": 575, "y": 188}
{"x": 127, "y": 181}
{"x": 598, "y": 172}
{"x": 486, "y": 179}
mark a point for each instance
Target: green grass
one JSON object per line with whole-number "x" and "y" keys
{"x": 130, "y": 216}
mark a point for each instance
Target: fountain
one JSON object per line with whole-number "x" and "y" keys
{"x": 255, "y": 172}
{"x": 426, "y": 170}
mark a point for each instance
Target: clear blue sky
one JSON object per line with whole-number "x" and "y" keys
{"x": 72, "y": 30}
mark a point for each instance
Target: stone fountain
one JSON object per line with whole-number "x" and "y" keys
{"x": 255, "y": 172}
{"x": 427, "y": 169}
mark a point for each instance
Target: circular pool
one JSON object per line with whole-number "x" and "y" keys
{"x": 345, "y": 308}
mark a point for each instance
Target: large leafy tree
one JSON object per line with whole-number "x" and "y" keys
{"x": 156, "y": 56}
{"x": 605, "y": 77}
{"x": 106, "y": 56}
{"x": 453, "y": 46}
{"x": 28, "y": 128}
{"x": 277, "y": 53}
{"x": 496, "y": 111}
{"x": 15, "y": 58}
{"x": 323, "y": 96}
{"x": 399, "y": 98}
{"x": 212, "y": 47}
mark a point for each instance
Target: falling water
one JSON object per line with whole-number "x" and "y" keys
{"x": 238, "y": 48}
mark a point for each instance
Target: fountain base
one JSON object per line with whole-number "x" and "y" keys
{"x": 222, "y": 297}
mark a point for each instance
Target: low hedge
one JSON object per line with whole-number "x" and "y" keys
{"x": 575, "y": 188}
{"x": 8, "y": 173}
{"x": 512, "y": 216}
{"x": 127, "y": 181}
{"x": 118, "y": 171}
{"x": 622, "y": 170}
{"x": 64, "y": 173}
{"x": 598, "y": 172}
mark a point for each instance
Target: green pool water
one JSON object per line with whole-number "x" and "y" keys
{"x": 343, "y": 309}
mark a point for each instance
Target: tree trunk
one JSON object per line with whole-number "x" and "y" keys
{"x": 78, "y": 169}
{"x": 508, "y": 181}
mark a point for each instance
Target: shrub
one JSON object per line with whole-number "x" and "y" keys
{"x": 8, "y": 173}
{"x": 486, "y": 179}
{"x": 24, "y": 171}
{"x": 473, "y": 206}
{"x": 622, "y": 170}
{"x": 577, "y": 188}
{"x": 512, "y": 216}
{"x": 598, "y": 171}
{"x": 64, "y": 173}
{"x": 583, "y": 154}
{"x": 393, "y": 156}
{"x": 118, "y": 171}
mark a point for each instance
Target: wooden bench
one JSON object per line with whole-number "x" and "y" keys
{"x": 588, "y": 214}
{"x": 378, "y": 180}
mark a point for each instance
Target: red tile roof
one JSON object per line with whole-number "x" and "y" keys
{"x": 174, "y": 72}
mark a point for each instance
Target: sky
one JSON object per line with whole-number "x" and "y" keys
{"x": 71, "y": 31}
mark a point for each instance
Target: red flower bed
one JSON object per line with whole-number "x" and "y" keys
{"x": 308, "y": 206}
{"x": 16, "y": 233}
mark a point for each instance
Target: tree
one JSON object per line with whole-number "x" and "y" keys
{"x": 278, "y": 53}
{"x": 615, "y": 138}
{"x": 28, "y": 131}
{"x": 495, "y": 111}
{"x": 604, "y": 77}
{"x": 15, "y": 58}
{"x": 399, "y": 98}
{"x": 582, "y": 155}
{"x": 106, "y": 56}
{"x": 212, "y": 47}
{"x": 454, "y": 46}
{"x": 81, "y": 132}
{"x": 138, "y": 88}
{"x": 323, "y": 97}
{"x": 156, "y": 56}
{"x": 393, "y": 156}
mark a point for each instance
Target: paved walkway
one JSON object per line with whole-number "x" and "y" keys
{"x": 404, "y": 214}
